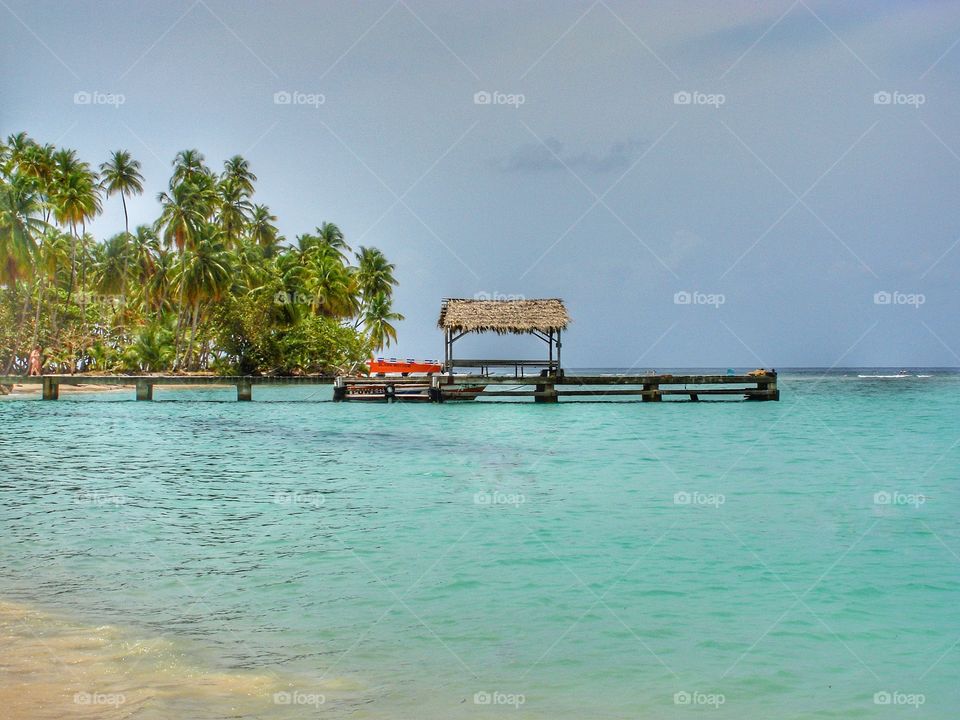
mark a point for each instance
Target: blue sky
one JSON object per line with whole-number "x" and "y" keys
{"x": 736, "y": 155}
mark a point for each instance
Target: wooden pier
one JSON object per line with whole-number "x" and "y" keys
{"x": 144, "y": 384}
{"x": 550, "y": 388}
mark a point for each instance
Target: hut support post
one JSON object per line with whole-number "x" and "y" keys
{"x": 244, "y": 391}
{"x": 559, "y": 366}
{"x": 51, "y": 389}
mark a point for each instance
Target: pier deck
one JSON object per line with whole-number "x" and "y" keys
{"x": 552, "y": 387}
{"x": 441, "y": 388}
{"x": 144, "y": 384}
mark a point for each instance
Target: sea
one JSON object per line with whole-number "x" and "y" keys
{"x": 196, "y": 557}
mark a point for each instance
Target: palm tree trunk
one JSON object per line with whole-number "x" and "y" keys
{"x": 193, "y": 331}
{"x": 177, "y": 336}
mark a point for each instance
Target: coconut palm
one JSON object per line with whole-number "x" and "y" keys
{"x": 262, "y": 229}
{"x": 378, "y": 322}
{"x": 121, "y": 174}
{"x": 75, "y": 199}
{"x": 20, "y": 226}
{"x": 374, "y": 273}
{"x": 237, "y": 171}
{"x": 203, "y": 275}
{"x": 235, "y": 209}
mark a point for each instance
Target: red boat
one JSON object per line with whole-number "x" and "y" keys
{"x": 381, "y": 366}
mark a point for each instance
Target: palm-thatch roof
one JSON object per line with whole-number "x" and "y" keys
{"x": 503, "y": 316}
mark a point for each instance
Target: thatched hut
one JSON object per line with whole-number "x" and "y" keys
{"x": 543, "y": 318}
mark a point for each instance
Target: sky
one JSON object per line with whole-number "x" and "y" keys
{"x": 735, "y": 184}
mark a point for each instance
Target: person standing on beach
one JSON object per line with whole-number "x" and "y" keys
{"x": 35, "y": 366}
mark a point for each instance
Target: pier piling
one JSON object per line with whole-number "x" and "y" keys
{"x": 244, "y": 391}
{"x": 144, "y": 390}
{"x": 51, "y": 389}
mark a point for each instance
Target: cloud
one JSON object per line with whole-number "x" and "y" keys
{"x": 552, "y": 155}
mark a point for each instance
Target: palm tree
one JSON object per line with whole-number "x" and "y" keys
{"x": 121, "y": 174}
{"x": 262, "y": 230}
{"x": 76, "y": 199}
{"x": 332, "y": 236}
{"x": 20, "y": 228}
{"x": 187, "y": 165}
{"x": 377, "y": 322}
{"x": 183, "y": 213}
{"x": 235, "y": 209}
{"x": 237, "y": 171}
{"x": 374, "y": 273}
{"x": 204, "y": 275}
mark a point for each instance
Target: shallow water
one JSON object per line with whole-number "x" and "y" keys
{"x": 289, "y": 557}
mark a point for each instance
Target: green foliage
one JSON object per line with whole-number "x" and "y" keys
{"x": 211, "y": 284}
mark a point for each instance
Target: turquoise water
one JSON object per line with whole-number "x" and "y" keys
{"x": 479, "y": 560}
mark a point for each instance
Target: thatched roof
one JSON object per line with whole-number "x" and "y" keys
{"x": 503, "y": 316}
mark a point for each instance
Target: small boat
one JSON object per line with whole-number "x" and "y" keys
{"x": 406, "y": 391}
{"x": 381, "y": 366}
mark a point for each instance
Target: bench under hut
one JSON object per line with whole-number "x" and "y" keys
{"x": 544, "y": 318}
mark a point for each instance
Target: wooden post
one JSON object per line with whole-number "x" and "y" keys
{"x": 436, "y": 394}
{"x": 549, "y": 396}
{"x": 51, "y": 389}
{"x": 144, "y": 390}
{"x": 655, "y": 396}
{"x": 244, "y": 391}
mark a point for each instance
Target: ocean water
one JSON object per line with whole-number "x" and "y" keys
{"x": 296, "y": 558}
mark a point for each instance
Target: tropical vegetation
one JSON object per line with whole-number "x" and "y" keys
{"x": 209, "y": 285}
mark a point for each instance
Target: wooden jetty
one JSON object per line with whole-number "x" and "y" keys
{"x": 144, "y": 384}
{"x": 544, "y": 319}
{"x": 549, "y": 388}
